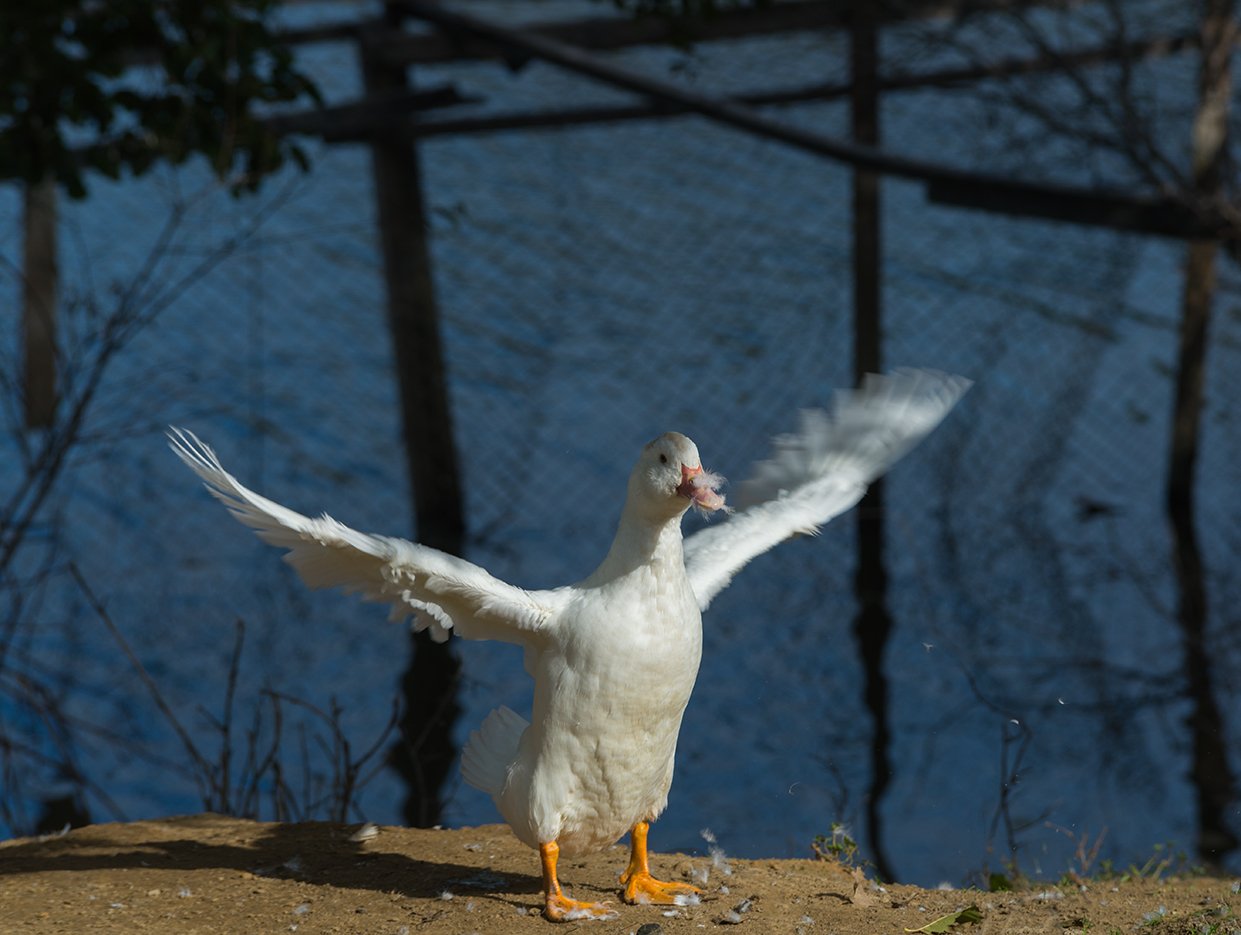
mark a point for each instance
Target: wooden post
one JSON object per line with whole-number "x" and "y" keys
{"x": 39, "y": 281}
{"x": 425, "y": 755}
{"x": 873, "y": 625}
{"x": 1210, "y": 772}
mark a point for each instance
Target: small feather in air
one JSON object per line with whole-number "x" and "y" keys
{"x": 719, "y": 859}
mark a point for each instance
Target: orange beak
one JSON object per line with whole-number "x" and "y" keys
{"x": 700, "y": 488}
{"x": 686, "y": 488}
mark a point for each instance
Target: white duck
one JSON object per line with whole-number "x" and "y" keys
{"x": 614, "y": 657}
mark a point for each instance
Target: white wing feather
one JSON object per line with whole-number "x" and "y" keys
{"x": 822, "y": 470}
{"x": 445, "y": 593}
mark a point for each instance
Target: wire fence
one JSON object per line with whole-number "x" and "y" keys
{"x": 600, "y": 285}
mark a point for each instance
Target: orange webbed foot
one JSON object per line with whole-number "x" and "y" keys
{"x": 642, "y": 888}
{"x": 560, "y": 908}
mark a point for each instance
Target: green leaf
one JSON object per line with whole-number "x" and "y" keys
{"x": 966, "y": 916}
{"x": 998, "y": 883}
{"x": 65, "y": 89}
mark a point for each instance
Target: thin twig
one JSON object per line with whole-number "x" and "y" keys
{"x": 156, "y": 695}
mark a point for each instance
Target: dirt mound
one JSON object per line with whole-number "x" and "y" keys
{"x": 212, "y": 874}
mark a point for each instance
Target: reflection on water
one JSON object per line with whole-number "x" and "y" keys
{"x": 601, "y": 286}
{"x": 1035, "y": 689}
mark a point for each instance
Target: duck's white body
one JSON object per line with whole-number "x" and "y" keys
{"x": 611, "y": 682}
{"x": 614, "y": 657}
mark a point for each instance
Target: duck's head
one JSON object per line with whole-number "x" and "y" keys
{"x": 669, "y": 478}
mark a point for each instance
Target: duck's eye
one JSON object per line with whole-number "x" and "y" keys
{"x": 663, "y": 459}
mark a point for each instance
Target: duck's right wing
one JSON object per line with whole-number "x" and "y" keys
{"x": 821, "y": 471}
{"x": 444, "y": 593}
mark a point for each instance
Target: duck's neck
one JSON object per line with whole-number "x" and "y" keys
{"x": 640, "y": 542}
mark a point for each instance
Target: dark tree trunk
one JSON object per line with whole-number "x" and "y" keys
{"x": 425, "y": 754}
{"x": 39, "y": 272}
{"x": 1210, "y": 772}
{"x": 873, "y": 624}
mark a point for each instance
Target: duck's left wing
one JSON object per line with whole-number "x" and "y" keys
{"x": 443, "y": 592}
{"x": 821, "y": 471}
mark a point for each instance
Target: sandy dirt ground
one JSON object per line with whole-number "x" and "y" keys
{"x": 211, "y": 874}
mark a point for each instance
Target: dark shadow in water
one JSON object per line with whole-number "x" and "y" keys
{"x": 430, "y": 683}
{"x": 1209, "y": 771}
{"x": 872, "y": 627}
{"x": 426, "y": 754}
{"x": 62, "y": 811}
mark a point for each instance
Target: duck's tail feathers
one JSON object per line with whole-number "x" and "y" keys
{"x": 492, "y": 749}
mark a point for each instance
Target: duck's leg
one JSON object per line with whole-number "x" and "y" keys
{"x": 640, "y": 886}
{"x": 558, "y": 907}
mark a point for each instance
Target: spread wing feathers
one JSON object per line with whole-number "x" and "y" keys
{"x": 443, "y": 592}
{"x": 822, "y": 470}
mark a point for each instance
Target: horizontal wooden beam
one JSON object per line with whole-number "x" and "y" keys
{"x": 376, "y": 113}
{"x": 1093, "y": 207}
{"x": 602, "y": 113}
{"x": 656, "y": 109}
{"x": 609, "y": 33}
{"x": 336, "y": 31}
{"x": 949, "y": 184}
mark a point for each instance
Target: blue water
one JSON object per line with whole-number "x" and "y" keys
{"x": 600, "y": 286}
